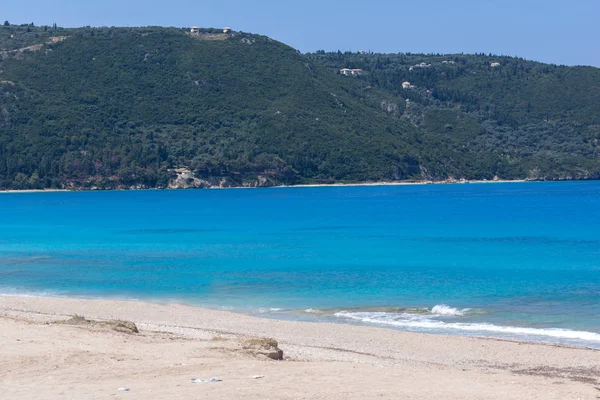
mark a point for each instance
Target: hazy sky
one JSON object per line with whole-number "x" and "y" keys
{"x": 562, "y": 32}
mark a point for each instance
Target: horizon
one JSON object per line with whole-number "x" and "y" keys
{"x": 545, "y": 31}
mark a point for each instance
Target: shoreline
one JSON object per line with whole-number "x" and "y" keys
{"x": 39, "y": 298}
{"x": 309, "y": 185}
{"x": 45, "y": 306}
{"x": 321, "y": 360}
{"x": 320, "y": 316}
{"x": 394, "y": 183}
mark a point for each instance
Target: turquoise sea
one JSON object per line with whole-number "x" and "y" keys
{"x": 515, "y": 260}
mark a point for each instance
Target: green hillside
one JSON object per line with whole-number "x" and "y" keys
{"x": 126, "y": 107}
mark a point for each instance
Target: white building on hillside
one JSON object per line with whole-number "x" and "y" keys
{"x": 351, "y": 72}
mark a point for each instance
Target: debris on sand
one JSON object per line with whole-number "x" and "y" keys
{"x": 198, "y": 380}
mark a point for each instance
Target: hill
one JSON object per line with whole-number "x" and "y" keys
{"x": 153, "y": 107}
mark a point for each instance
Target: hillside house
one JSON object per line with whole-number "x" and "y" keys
{"x": 194, "y": 30}
{"x": 351, "y": 72}
{"x": 420, "y": 65}
{"x": 227, "y": 30}
{"x": 406, "y": 85}
{"x": 495, "y": 64}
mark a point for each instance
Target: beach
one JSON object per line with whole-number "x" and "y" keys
{"x": 42, "y": 358}
{"x": 283, "y": 186}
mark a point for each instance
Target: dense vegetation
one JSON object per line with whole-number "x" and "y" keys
{"x": 124, "y": 107}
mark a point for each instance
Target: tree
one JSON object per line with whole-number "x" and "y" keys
{"x": 6, "y": 23}
{"x": 35, "y": 177}
{"x": 458, "y": 120}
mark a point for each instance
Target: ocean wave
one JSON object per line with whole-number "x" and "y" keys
{"x": 9, "y": 291}
{"x": 313, "y": 311}
{"x": 268, "y": 310}
{"x": 443, "y": 309}
{"x": 426, "y": 323}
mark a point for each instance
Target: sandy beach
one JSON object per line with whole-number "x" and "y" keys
{"x": 315, "y": 185}
{"x": 44, "y": 358}
{"x": 407, "y": 183}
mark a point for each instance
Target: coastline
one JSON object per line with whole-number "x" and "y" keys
{"x": 37, "y": 191}
{"x": 559, "y": 337}
{"x": 323, "y": 360}
{"x": 311, "y": 185}
{"x": 399, "y": 183}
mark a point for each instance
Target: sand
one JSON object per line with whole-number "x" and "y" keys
{"x": 315, "y": 185}
{"x": 41, "y": 359}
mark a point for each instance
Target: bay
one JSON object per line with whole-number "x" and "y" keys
{"x": 510, "y": 260}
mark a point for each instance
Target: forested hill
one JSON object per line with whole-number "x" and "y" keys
{"x": 160, "y": 107}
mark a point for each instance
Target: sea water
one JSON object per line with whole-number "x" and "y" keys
{"x": 510, "y": 260}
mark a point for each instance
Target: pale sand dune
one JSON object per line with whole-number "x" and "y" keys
{"x": 325, "y": 361}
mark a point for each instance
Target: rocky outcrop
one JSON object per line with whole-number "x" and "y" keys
{"x": 263, "y": 347}
{"x": 115, "y": 325}
{"x": 186, "y": 179}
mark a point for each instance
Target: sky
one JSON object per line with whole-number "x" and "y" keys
{"x": 560, "y": 32}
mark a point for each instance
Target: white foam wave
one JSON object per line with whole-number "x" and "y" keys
{"x": 443, "y": 309}
{"x": 268, "y": 310}
{"x": 312, "y": 311}
{"x": 8, "y": 291}
{"x": 424, "y": 322}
